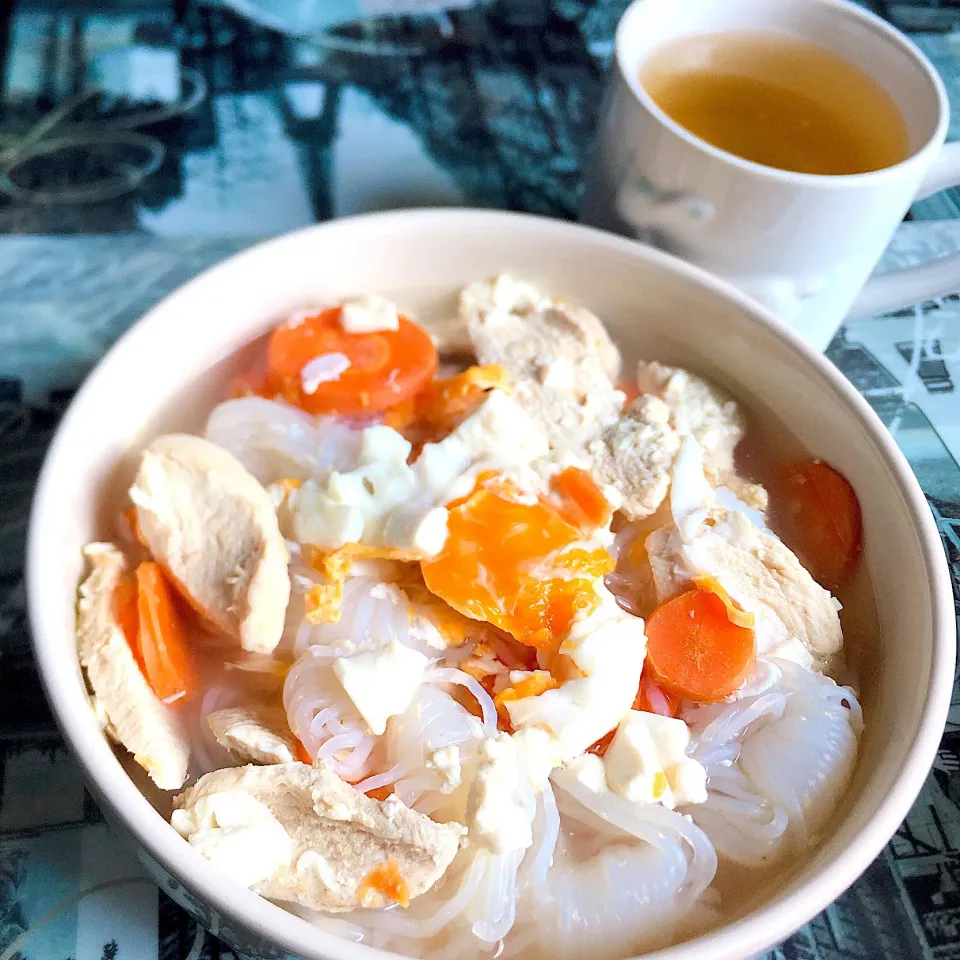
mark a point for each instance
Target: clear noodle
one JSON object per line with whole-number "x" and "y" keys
{"x": 635, "y": 886}
{"x": 778, "y": 763}
{"x": 273, "y": 440}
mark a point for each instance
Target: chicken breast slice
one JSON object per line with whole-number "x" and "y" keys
{"x": 305, "y": 836}
{"x": 135, "y": 717}
{"x": 256, "y": 733}
{"x": 635, "y": 454}
{"x": 796, "y": 618}
{"x": 213, "y": 527}
{"x": 559, "y": 358}
{"x": 700, "y": 410}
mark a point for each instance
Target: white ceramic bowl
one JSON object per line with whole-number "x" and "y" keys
{"x": 166, "y": 373}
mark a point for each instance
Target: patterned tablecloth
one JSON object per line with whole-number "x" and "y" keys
{"x": 183, "y": 132}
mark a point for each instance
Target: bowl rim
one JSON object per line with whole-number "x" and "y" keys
{"x": 757, "y": 930}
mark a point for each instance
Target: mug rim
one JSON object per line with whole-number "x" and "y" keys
{"x": 869, "y": 21}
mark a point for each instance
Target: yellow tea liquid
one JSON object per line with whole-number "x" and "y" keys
{"x": 777, "y": 101}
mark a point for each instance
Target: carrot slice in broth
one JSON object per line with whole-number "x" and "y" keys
{"x": 818, "y": 514}
{"x": 694, "y": 651}
{"x": 383, "y": 368}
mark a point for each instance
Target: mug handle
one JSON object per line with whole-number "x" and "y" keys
{"x": 911, "y": 285}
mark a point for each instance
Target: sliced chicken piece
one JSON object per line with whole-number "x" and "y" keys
{"x": 340, "y": 845}
{"x": 259, "y": 734}
{"x": 505, "y": 293}
{"x": 752, "y": 494}
{"x": 700, "y": 410}
{"x": 133, "y": 714}
{"x": 796, "y": 618}
{"x": 560, "y": 359}
{"x": 635, "y": 454}
{"x": 214, "y": 528}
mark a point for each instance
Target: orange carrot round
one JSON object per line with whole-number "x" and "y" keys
{"x": 385, "y": 367}
{"x": 162, "y": 647}
{"x": 694, "y": 651}
{"x": 818, "y": 515}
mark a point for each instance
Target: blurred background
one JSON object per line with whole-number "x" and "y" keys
{"x": 251, "y": 117}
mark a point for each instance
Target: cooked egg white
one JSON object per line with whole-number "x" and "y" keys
{"x": 646, "y": 762}
{"x": 607, "y": 645}
{"x": 386, "y": 502}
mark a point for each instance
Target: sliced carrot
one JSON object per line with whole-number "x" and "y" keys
{"x": 126, "y": 612}
{"x": 580, "y": 491}
{"x": 380, "y": 793}
{"x": 387, "y": 880}
{"x": 385, "y": 367}
{"x": 603, "y": 744}
{"x": 817, "y": 513}
{"x": 694, "y": 651}
{"x": 163, "y": 649}
{"x": 630, "y": 389}
{"x": 302, "y": 754}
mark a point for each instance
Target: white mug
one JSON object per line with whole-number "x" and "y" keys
{"x": 803, "y": 244}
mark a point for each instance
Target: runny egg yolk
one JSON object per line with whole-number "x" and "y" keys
{"x": 514, "y": 561}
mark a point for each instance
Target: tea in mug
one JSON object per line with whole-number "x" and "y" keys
{"x": 777, "y": 101}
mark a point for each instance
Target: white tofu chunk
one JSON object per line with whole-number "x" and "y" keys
{"x": 446, "y": 761}
{"x": 646, "y": 762}
{"x": 588, "y": 769}
{"x": 382, "y": 682}
{"x": 369, "y": 314}
{"x": 419, "y": 530}
{"x": 500, "y": 801}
